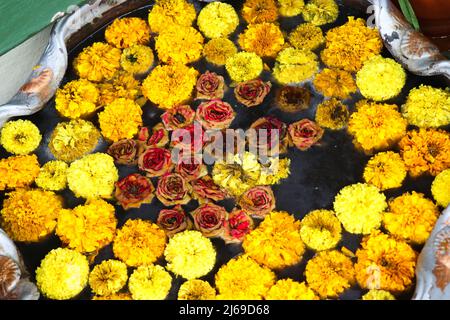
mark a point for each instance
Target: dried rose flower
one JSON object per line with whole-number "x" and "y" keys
{"x": 210, "y": 86}
{"x": 158, "y": 137}
{"x": 258, "y": 201}
{"x": 173, "y": 221}
{"x": 172, "y": 189}
{"x": 178, "y": 117}
{"x": 134, "y": 190}
{"x": 252, "y": 93}
{"x": 215, "y": 114}
{"x": 209, "y": 219}
{"x": 237, "y": 226}
{"x": 194, "y": 142}
{"x": 271, "y": 123}
{"x": 155, "y": 161}
{"x": 293, "y": 99}
{"x": 305, "y": 133}
{"x": 204, "y": 190}
{"x": 124, "y": 151}
{"x": 191, "y": 168}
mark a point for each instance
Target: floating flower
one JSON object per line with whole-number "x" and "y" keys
{"x": 276, "y": 242}
{"x": 252, "y": 93}
{"x": 134, "y": 191}
{"x": 290, "y": 8}
{"x": 293, "y": 98}
{"x": 20, "y": 137}
{"x": 171, "y": 13}
{"x": 191, "y": 168}
{"x": 360, "y": 208}
{"x": 172, "y": 190}
{"x": 217, "y": 19}
{"x": 375, "y": 294}
{"x": 123, "y": 85}
{"x": 173, "y": 221}
{"x": 288, "y": 289}
{"x": 53, "y": 176}
{"x": 139, "y": 243}
{"x": 215, "y": 114}
{"x": 218, "y": 50}
{"x": 237, "y": 226}
{"x": 209, "y": 219}
{"x": 210, "y": 86}
{"x": 188, "y": 139}
{"x": 264, "y": 39}
{"x": 177, "y": 118}
{"x": 158, "y": 137}
{"x": 77, "y": 99}
{"x": 196, "y": 290}
{"x": 332, "y": 114}
{"x": 441, "y": 188}
{"x": 320, "y": 12}
{"x": 108, "y": 277}
{"x": 306, "y": 36}
{"x": 274, "y": 170}
{"x": 62, "y": 274}
{"x": 124, "y": 151}
{"x": 137, "y": 59}
{"x": 258, "y": 201}
{"x": 295, "y": 65}
{"x": 204, "y": 190}
{"x": 114, "y": 297}
{"x": 190, "y": 255}
{"x": 305, "y": 133}
{"x": 386, "y": 170}
{"x": 244, "y": 66}
{"x": 126, "y": 32}
{"x": 18, "y": 172}
{"x": 150, "y": 283}
{"x": 259, "y": 11}
{"x": 335, "y": 83}
{"x": 156, "y": 162}
{"x": 321, "y": 230}
{"x": 276, "y": 133}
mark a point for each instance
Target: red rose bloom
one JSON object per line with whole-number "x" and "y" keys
{"x": 253, "y": 92}
{"x": 173, "y": 221}
{"x": 270, "y": 124}
{"x": 215, "y": 114}
{"x": 210, "y": 86}
{"x": 133, "y": 191}
{"x": 305, "y": 133}
{"x": 209, "y": 219}
{"x": 172, "y": 190}
{"x": 155, "y": 161}
{"x": 237, "y": 226}
{"x": 258, "y": 201}
{"x": 204, "y": 190}
{"x": 191, "y": 168}
{"x": 124, "y": 151}
{"x": 178, "y": 117}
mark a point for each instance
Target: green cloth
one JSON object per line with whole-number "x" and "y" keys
{"x": 21, "y": 19}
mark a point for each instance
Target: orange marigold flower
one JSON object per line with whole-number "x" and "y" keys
{"x": 125, "y": 32}
{"x": 18, "y": 172}
{"x": 258, "y": 11}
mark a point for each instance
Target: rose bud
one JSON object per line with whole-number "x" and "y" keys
{"x": 210, "y": 86}
{"x": 191, "y": 168}
{"x": 173, "y": 221}
{"x": 124, "y": 151}
{"x": 253, "y": 92}
{"x": 305, "y": 133}
{"x": 258, "y": 201}
{"x": 178, "y": 117}
{"x": 237, "y": 226}
{"x": 155, "y": 161}
{"x": 205, "y": 190}
{"x": 134, "y": 190}
{"x": 209, "y": 219}
{"x": 270, "y": 124}
{"x": 293, "y": 99}
{"x": 215, "y": 114}
{"x": 172, "y": 190}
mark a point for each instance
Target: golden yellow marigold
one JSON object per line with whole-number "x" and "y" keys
{"x": 427, "y": 107}
{"x": 321, "y": 230}
{"x": 63, "y": 274}
{"x": 294, "y": 66}
{"x": 385, "y": 263}
{"x": 53, "y": 176}
{"x": 20, "y": 137}
{"x": 196, "y": 290}
{"x": 123, "y": 85}
{"x": 218, "y": 50}
{"x": 108, "y": 277}
{"x": 98, "y": 62}
{"x": 290, "y": 8}
{"x": 150, "y": 283}
{"x": 375, "y": 294}
{"x": 335, "y": 83}
{"x": 411, "y": 217}
{"x": 243, "y": 279}
{"x": 264, "y": 39}
{"x": 375, "y": 126}
{"x": 114, "y": 297}
{"x": 426, "y": 151}
{"x": 77, "y": 99}
{"x": 171, "y": 13}
{"x": 350, "y": 45}
{"x": 139, "y": 242}
{"x": 332, "y": 114}
{"x": 288, "y": 289}
{"x": 217, "y": 19}
{"x": 360, "y": 208}
{"x": 126, "y": 32}
{"x": 137, "y": 59}
{"x": 330, "y": 273}
{"x": 170, "y": 85}
{"x": 18, "y": 172}
{"x": 274, "y": 171}
{"x": 321, "y": 12}
{"x": 385, "y": 170}
{"x": 306, "y": 36}
{"x": 441, "y": 188}
{"x": 276, "y": 242}
{"x": 30, "y": 215}
{"x": 179, "y": 45}
{"x": 244, "y": 66}
{"x": 87, "y": 228}
{"x": 259, "y": 11}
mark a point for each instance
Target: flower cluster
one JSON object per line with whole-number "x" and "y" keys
{"x": 126, "y": 32}
{"x": 217, "y": 19}
{"x": 77, "y": 99}
{"x": 295, "y": 65}
{"x": 332, "y": 114}
{"x": 288, "y": 289}
{"x": 20, "y": 137}
{"x": 137, "y": 59}
{"x": 18, "y": 172}
{"x": 196, "y": 290}
{"x": 264, "y": 39}
{"x": 335, "y": 83}
{"x": 123, "y": 85}
{"x": 385, "y": 170}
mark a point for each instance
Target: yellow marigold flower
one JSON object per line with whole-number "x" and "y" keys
{"x": 72, "y": 140}
{"x": 77, "y": 99}
{"x": 137, "y": 59}
{"x": 276, "y": 242}
{"x": 20, "y": 137}
{"x": 381, "y": 78}
{"x": 93, "y": 176}
{"x": 385, "y": 263}
{"x": 321, "y": 230}
{"x": 264, "y": 39}
{"x": 150, "y": 283}
{"x": 98, "y": 62}
{"x": 218, "y": 50}
{"x": 139, "y": 243}
{"x": 330, "y": 273}
{"x": 53, "y": 176}
{"x": 30, "y": 215}
{"x": 441, "y": 188}
{"x": 378, "y": 295}
{"x": 189, "y": 254}
{"x": 170, "y": 85}
{"x": 360, "y": 208}
{"x": 350, "y": 45}
{"x": 63, "y": 274}
{"x": 123, "y": 85}
{"x": 243, "y": 279}
{"x": 290, "y": 8}
{"x": 126, "y": 32}
{"x": 114, "y": 297}
{"x": 335, "y": 83}
{"x": 385, "y": 170}
{"x": 288, "y": 289}
{"x": 427, "y": 107}
{"x": 294, "y": 65}
{"x": 426, "y": 151}
{"x": 196, "y": 290}
{"x": 87, "y": 228}
{"x": 108, "y": 277}
{"x": 244, "y": 66}
{"x": 179, "y": 45}
{"x": 411, "y": 217}
{"x": 321, "y": 12}
{"x": 332, "y": 114}
{"x": 171, "y": 13}
{"x": 376, "y": 126}
{"x": 259, "y": 11}
{"x": 217, "y": 19}
{"x": 274, "y": 171}
{"x": 18, "y": 172}
{"x": 306, "y": 36}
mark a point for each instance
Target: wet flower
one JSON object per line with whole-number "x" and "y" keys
{"x": 375, "y": 294}
{"x": 293, "y": 98}
{"x": 137, "y": 59}
{"x": 272, "y": 126}
{"x": 20, "y": 137}
{"x": 237, "y": 226}
{"x": 171, "y": 13}
{"x": 335, "y": 83}
{"x": 150, "y": 282}
{"x": 191, "y": 168}
{"x": 386, "y": 170}
{"x": 53, "y": 176}
{"x": 306, "y": 36}
{"x": 218, "y": 50}
{"x": 77, "y": 99}
{"x": 295, "y": 66}
{"x": 124, "y": 151}
{"x": 258, "y": 201}
{"x": 321, "y": 230}
{"x": 441, "y": 188}
{"x": 264, "y": 39}
{"x": 332, "y": 114}
{"x": 204, "y": 190}
{"x": 108, "y": 277}
{"x": 244, "y": 66}
{"x": 156, "y": 162}
{"x": 18, "y": 171}
{"x": 252, "y": 93}
{"x": 215, "y": 114}
{"x": 134, "y": 191}
{"x": 217, "y": 19}
{"x": 126, "y": 32}
{"x": 305, "y": 133}
{"x": 209, "y": 219}
{"x": 259, "y": 11}
{"x": 320, "y": 12}
{"x": 196, "y": 290}
{"x": 290, "y": 8}
{"x": 178, "y": 117}
{"x": 173, "y": 189}
{"x": 288, "y": 289}
{"x": 173, "y": 221}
